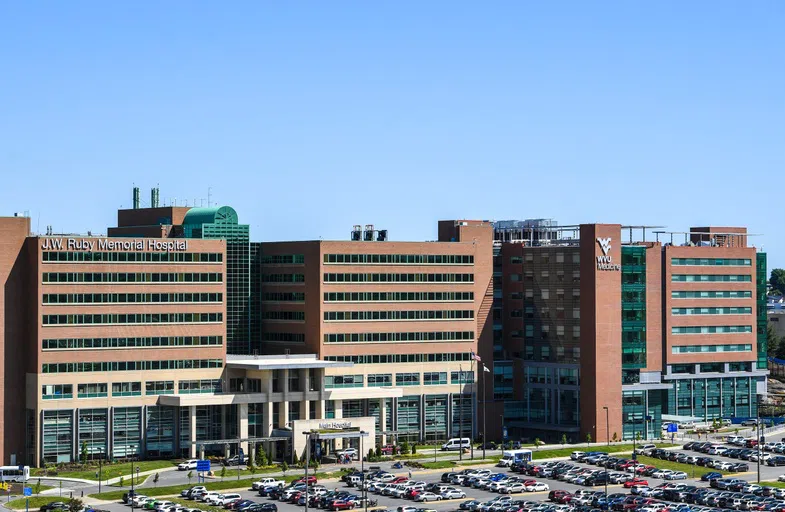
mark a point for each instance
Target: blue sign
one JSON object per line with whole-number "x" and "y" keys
{"x": 504, "y": 432}
{"x": 203, "y": 465}
{"x": 27, "y": 491}
{"x": 672, "y": 427}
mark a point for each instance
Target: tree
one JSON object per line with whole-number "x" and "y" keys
{"x": 120, "y": 483}
{"x": 284, "y": 467}
{"x": 777, "y": 280}
{"x": 772, "y": 341}
{"x": 155, "y": 479}
{"x": 615, "y": 437}
{"x": 371, "y": 455}
{"x": 75, "y": 505}
{"x": 563, "y": 439}
{"x": 37, "y": 488}
{"x": 261, "y": 456}
{"x": 84, "y": 452}
{"x": 190, "y": 476}
{"x": 537, "y": 442}
{"x": 405, "y": 447}
{"x": 223, "y": 472}
{"x": 588, "y": 439}
{"x": 414, "y": 448}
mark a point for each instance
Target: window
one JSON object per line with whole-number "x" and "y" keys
{"x": 515, "y": 277}
{"x": 91, "y": 390}
{"x": 131, "y": 298}
{"x": 112, "y": 343}
{"x": 690, "y": 349}
{"x": 712, "y": 311}
{"x": 576, "y": 313}
{"x": 711, "y": 294}
{"x": 529, "y": 331}
{"x": 712, "y": 329}
{"x": 441, "y": 357}
{"x": 545, "y": 294}
{"x": 284, "y": 316}
{"x": 516, "y": 260}
{"x": 576, "y": 257}
{"x": 736, "y": 262}
{"x": 576, "y": 332}
{"x": 283, "y": 278}
{"x": 282, "y": 259}
{"x": 120, "y": 389}
{"x": 283, "y": 297}
{"x": 420, "y": 315}
{"x": 559, "y": 257}
{"x": 516, "y": 313}
{"x": 189, "y": 387}
{"x": 377, "y": 380}
{"x": 516, "y": 296}
{"x": 703, "y": 278}
{"x": 529, "y": 293}
{"x": 400, "y": 259}
{"x": 130, "y": 257}
{"x": 131, "y": 277}
{"x": 461, "y": 377}
{"x": 57, "y": 391}
{"x": 343, "y": 381}
{"x": 385, "y": 337}
{"x": 434, "y": 378}
{"x": 398, "y": 296}
{"x": 132, "y": 318}
{"x": 398, "y": 278}
{"x": 120, "y": 366}
{"x": 407, "y": 379}
{"x": 559, "y": 330}
{"x": 529, "y": 257}
{"x": 159, "y": 387}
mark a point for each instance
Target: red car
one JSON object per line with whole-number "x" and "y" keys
{"x": 390, "y": 449}
{"x": 399, "y": 480}
{"x": 341, "y": 505}
{"x": 311, "y": 480}
{"x": 556, "y": 494}
{"x": 635, "y": 481}
{"x": 564, "y": 498}
{"x": 643, "y": 469}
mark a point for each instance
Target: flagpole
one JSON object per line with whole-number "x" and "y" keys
{"x": 484, "y": 392}
{"x": 460, "y": 406}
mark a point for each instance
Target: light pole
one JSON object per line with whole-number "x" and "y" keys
{"x": 460, "y": 408}
{"x": 100, "y": 472}
{"x": 307, "y": 461}
{"x": 364, "y": 488}
{"x": 607, "y": 435}
{"x": 757, "y": 431}
{"x": 133, "y": 449}
{"x": 484, "y": 404}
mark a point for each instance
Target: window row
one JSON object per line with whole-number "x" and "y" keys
{"x": 712, "y": 329}
{"x": 728, "y": 262}
{"x": 545, "y": 331}
{"x": 400, "y": 259}
{"x": 284, "y": 316}
{"x": 343, "y": 381}
{"x": 398, "y": 296}
{"x": 712, "y": 311}
{"x": 727, "y": 294}
{"x": 133, "y": 277}
{"x": 545, "y": 293}
{"x": 283, "y": 278}
{"x": 690, "y": 349}
{"x": 381, "y": 337}
{"x": 131, "y": 298}
{"x": 124, "y": 389}
{"x": 133, "y": 318}
{"x": 283, "y": 296}
{"x": 365, "y": 316}
{"x": 402, "y": 358}
{"x": 120, "y": 366}
{"x": 154, "y": 341}
{"x": 711, "y": 278}
{"x": 134, "y": 257}
{"x": 282, "y": 259}
{"x": 545, "y": 257}
{"x": 398, "y": 278}
{"x": 284, "y": 337}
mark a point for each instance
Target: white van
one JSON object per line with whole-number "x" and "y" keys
{"x": 510, "y": 457}
{"x": 457, "y": 443}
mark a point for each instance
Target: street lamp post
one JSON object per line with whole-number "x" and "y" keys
{"x": 484, "y": 406}
{"x": 757, "y": 431}
{"x": 363, "y": 485}
{"x": 307, "y": 461}
{"x": 607, "y": 435}
{"x": 100, "y": 472}
{"x": 133, "y": 449}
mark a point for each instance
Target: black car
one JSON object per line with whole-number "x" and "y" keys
{"x": 263, "y": 507}
{"x": 54, "y": 506}
{"x": 740, "y": 467}
{"x": 776, "y": 461}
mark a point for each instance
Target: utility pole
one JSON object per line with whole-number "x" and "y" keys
{"x": 307, "y": 461}
{"x": 484, "y": 406}
{"x": 607, "y": 435}
{"x": 757, "y": 430}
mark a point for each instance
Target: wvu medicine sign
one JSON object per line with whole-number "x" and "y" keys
{"x": 605, "y": 262}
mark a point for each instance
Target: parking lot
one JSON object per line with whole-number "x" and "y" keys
{"x": 481, "y": 485}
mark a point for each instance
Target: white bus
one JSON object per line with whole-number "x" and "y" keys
{"x": 14, "y": 473}
{"x": 510, "y": 457}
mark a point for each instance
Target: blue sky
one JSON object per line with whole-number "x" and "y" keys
{"x": 309, "y": 117}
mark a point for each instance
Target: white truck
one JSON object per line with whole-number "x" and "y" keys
{"x": 267, "y": 482}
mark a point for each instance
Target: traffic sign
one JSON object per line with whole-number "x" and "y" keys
{"x": 203, "y": 465}
{"x": 672, "y": 427}
{"x": 504, "y": 432}
{"x": 27, "y": 491}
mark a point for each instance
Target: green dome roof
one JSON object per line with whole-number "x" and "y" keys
{"x": 217, "y": 215}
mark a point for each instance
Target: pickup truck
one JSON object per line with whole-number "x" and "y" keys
{"x": 267, "y": 482}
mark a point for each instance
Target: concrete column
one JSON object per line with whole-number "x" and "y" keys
{"x": 305, "y": 408}
{"x": 284, "y": 380}
{"x": 382, "y": 419}
{"x": 267, "y": 419}
{"x": 109, "y": 434}
{"x": 338, "y": 414}
{"x": 449, "y": 415}
{"x": 227, "y": 451}
{"x": 321, "y": 412}
{"x": 242, "y": 416}
{"x": 192, "y": 428}
{"x": 251, "y": 454}
{"x": 267, "y": 382}
{"x": 305, "y": 379}
{"x": 283, "y": 414}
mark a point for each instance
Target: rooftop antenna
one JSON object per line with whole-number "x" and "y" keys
{"x": 209, "y": 196}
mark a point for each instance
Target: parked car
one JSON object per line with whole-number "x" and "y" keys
{"x": 189, "y": 464}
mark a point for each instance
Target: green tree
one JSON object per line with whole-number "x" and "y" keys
{"x": 155, "y": 479}
{"x": 772, "y": 341}
{"x": 261, "y": 455}
{"x": 414, "y": 448}
{"x": 37, "y": 488}
{"x": 190, "y": 476}
{"x": 537, "y": 442}
{"x": 378, "y": 452}
{"x": 405, "y": 447}
{"x": 84, "y": 452}
{"x": 615, "y": 437}
{"x": 777, "y": 280}
{"x": 75, "y": 505}
{"x": 588, "y": 439}
{"x": 284, "y": 467}
{"x": 223, "y": 472}
{"x": 120, "y": 483}
{"x": 563, "y": 439}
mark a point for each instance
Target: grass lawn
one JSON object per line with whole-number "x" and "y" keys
{"x": 35, "y": 502}
{"x": 440, "y": 464}
{"x": 215, "y": 485}
{"x": 565, "y": 452}
{"x": 774, "y": 484}
{"x": 197, "y": 504}
{"x": 109, "y": 471}
{"x": 678, "y": 466}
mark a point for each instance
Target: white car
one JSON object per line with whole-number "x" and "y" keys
{"x": 137, "y": 500}
{"x": 208, "y": 496}
{"x": 751, "y": 488}
{"x": 351, "y": 452}
{"x": 663, "y": 473}
{"x": 223, "y": 499}
{"x": 161, "y": 505}
{"x": 537, "y": 487}
{"x": 723, "y": 466}
{"x": 451, "y": 494}
{"x": 512, "y": 487}
{"x": 781, "y": 478}
{"x": 427, "y": 496}
{"x": 189, "y": 464}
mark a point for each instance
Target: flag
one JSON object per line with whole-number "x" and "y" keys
{"x": 476, "y": 357}
{"x": 485, "y": 369}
